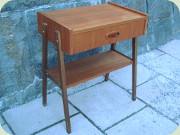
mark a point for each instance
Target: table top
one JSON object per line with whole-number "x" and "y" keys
{"x": 83, "y": 18}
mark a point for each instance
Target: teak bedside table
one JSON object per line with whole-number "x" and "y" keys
{"x": 84, "y": 28}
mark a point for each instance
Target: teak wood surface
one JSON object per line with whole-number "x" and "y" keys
{"x": 84, "y": 28}
{"x": 89, "y": 27}
{"x": 89, "y": 68}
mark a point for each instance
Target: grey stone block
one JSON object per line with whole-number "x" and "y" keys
{"x": 80, "y": 126}
{"x": 82, "y": 4}
{"x": 14, "y": 75}
{"x": 146, "y": 122}
{"x": 120, "y": 2}
{"x": 6, "y": 24}
{"x": 105, "y": 104}
{"x": 125, "y": 47}
{"x": 157, "y": 9}
{"x": 22, "y": 96}
{"x": 33, "y": 116}
{"x": 15, "y": 64}
{"x": 166, "y": 65}
{"x": 139, "y": 5}
{"x": 21, "y": 5}
{"x": 176, "y": 22}
{"x": 159, "y": 32}
{"x": 163, "y": 95}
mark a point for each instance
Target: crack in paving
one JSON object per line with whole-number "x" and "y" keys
{"x": 53, "y": 124}
{"x": 125, "y": 118}
{"x": 86, "y": 117}
{"x": 11, "y": 129}
{"x": 149, "y": 105}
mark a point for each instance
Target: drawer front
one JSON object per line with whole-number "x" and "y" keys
{"x": 100, "y": 37}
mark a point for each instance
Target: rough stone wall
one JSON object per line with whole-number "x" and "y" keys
{"x": 20, "y": 43}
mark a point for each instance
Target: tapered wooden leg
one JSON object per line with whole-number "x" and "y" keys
{"x": 107, "y": 77}
{"x": 113, "y": 46}
{"x": 134, "y": 67}
{"x": 66, "y": 111}
{"x": 44, "y": 64}
{"x": 63, "y": 81}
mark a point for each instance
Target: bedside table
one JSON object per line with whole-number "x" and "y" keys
{"x": 80, "y": 29}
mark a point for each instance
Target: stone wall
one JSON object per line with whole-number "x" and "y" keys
{"x": 20, "y": 43}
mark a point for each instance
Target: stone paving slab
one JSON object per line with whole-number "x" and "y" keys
{"x": 6, "y": 128}
{"x": 123, "y": 77}
{"x": 85, "y": 85}
{"x": 162, "y": 94}
{"x": 105, "y": 104}
{"x": 1, "y": 121}
{"x": 149, "y": 56}
{"x": 79, "y": 126}
{"x": 178, "y": 121}
{"x": 31, "y": 117}
{"x": 166, "y": 65}
{"x": 172, "y": 48}
{"x": 146, "y": 122}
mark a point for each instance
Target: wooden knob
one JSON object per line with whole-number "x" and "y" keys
{"x": 113, "y": 34}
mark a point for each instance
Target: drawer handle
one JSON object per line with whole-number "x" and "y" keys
{"x": 113, "y": 35}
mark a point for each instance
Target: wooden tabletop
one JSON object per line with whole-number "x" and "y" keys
{"x": 83, "y": 18}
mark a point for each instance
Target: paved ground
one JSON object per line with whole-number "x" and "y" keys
{"x": 106, "y": 108}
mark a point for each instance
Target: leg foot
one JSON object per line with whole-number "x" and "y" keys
{"x": 66, "y": 111}
{"x": 107, "y": 77}
{"x": 44, "y": 91}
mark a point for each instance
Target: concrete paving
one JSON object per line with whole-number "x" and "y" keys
{"x": 163, "y": 95}
{"x": 7, "y": 129}
{"x": 123, "y": 77}
{"x": 167, "y": 66}
{"x": 105, "y": 104}
{"x": 85, "y": 85}
{"x": 142, "y": 122}
{"x": 178, "y": 121}
{"x": 149, "y": 56}
{"x": 80, "y": 126}
{"x": 105, "y": 108}
{"x": 1, "y": 121}
{"x": 172, "y": 48}
{"x": 33, "y": 116}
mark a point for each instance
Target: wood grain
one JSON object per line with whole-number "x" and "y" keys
{"x": 96, "y": 38}
{"x": 89, "y": 68}
{"x": 85, "y": 28}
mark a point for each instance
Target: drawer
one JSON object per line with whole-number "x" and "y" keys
{"x": 85, "y": 28}
{"x": 107, "y": 35}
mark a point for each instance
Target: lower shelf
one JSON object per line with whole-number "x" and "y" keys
{"x": 88, "y": 68}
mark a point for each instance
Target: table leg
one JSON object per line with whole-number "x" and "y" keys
{"x": 107, "y": 77}
{"x": 113, "y": 46}
{"x": 134, "y": 67}
{"x": 44, "y": 64}
{"x": 63, "y": 81}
